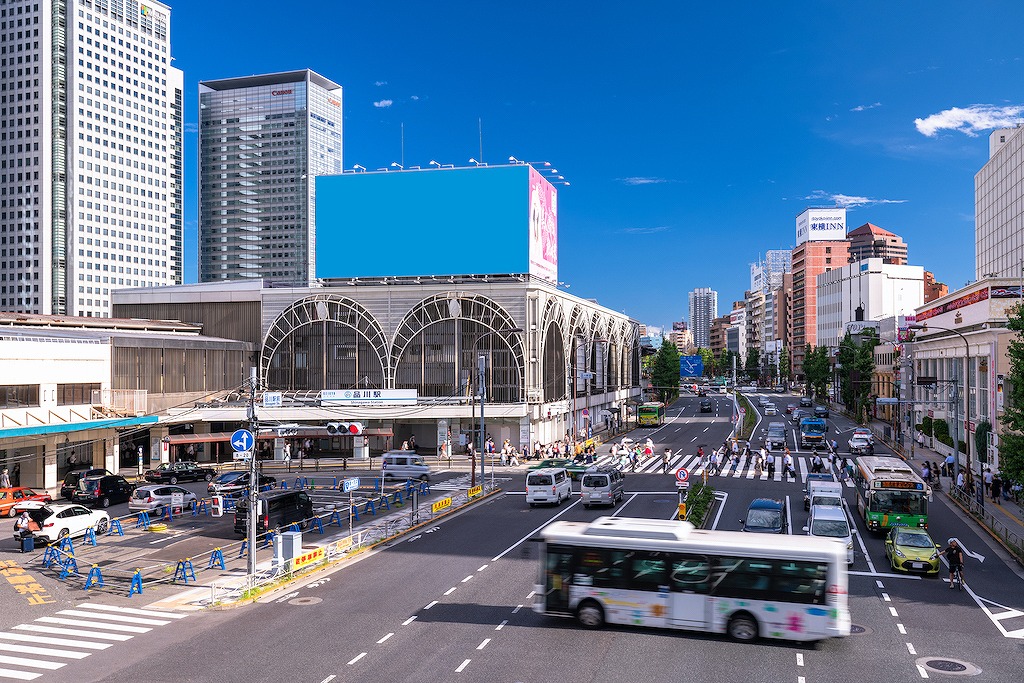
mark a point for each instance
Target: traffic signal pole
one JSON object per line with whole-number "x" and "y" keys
{"x": 254, "y": 427}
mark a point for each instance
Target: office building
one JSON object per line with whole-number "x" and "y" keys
{"x": 871, "y": 241}
{"x": 933, "y": 290}
{"x": 88, "y": 154}
{"x": 821, "y": 246}
{"x": 682, "y": 337}
{"x": 703, "y": 310}
{"x": 998, "y": 195}
{"x": 262, "y": 140}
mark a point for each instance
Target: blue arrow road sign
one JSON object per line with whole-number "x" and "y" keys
{"x": 242, "y": 440}
{"x": 350, "y": 484}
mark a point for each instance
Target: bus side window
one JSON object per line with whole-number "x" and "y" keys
{"x": 690, "y": 574}
{"x": 649, "y": 570}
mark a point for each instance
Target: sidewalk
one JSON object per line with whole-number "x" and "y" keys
{"x": 1003, "y": 520}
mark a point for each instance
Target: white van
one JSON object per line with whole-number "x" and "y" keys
{"x": 830, "y": 521}
{"x": 548, "y": 485}
{"x": 404, "y": 465}
{"x": 823, "y": 493}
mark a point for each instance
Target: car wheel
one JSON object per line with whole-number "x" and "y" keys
{"x": 101, "y": 526}
{"x": 533, "y": 505}
{"x": 157, "y": 511}
{"x": 10, "y": 511}
{"x": 174, "y": 480}
{"x": 590, "y": 614}
{"x": 105, "y": 502}
{"x": 743, "y": 627}
{"x": 586, "y": 506}
{"x": 62, "y": 534}
{"x": 209, "y": 477}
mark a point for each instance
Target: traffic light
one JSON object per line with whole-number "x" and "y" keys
{"x": 350, "y": 428}
{"x": 217, "y": 506}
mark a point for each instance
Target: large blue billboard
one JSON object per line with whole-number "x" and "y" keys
{"x": 691, "y": 366}
{"x": 459, "y": 221}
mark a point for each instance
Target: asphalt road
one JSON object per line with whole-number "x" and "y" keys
{"x": 453, "y": 601}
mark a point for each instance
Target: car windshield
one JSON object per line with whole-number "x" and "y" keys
{"x": 827, "y": 500}
{"x": 834, "y": 528}
{"x": 539, "y": 480}
{"x": 163, "y": 468}
{"x": 595, "y": 480}
{"x": 89, "y": 484}
{"x": 914, "y": 540}
{"x": 229, "y": 477}
{"x": 764, "y": 519}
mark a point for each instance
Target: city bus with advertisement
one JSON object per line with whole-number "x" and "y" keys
{"x": 650, "y": 414}
{"x": 889, "y": 493}
{"x": 668, "y": 574}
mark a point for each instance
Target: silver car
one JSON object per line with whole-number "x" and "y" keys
{"x": 155, "y": 497}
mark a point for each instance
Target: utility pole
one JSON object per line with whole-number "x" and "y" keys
{"x": 254, "y": 427}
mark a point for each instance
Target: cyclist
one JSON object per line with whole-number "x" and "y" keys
{"x": 955, "y": 557}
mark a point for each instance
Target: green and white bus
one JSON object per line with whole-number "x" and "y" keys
{"x": 668, "y": 574}
{"x": 889, "y": 493}
{"x": 650, "y": 414}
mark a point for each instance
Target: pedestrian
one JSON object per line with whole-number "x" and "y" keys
{"x": 470, "y": 449}
{"x": 287, "y": 451}
{"x": 960, "y": 480}
{"x": 920, "y": 438}
{"x": 926, "y": 472}
{"x": 5, "y": 479}
{"x": 735, "y": 461}
{"x": 949, "y": 465}
{"x": 787, "y": 462}
{"x": 713, "y": 463}
{"x": 405, "y": 445}
{"x": 513, "y": 459}
{"x": 412, "y": 442}
{"x": 987, "y": 477}
{"x": 664, "y": 460}
{"x": 22, "y": 526}
{"x": 996, "y": 488}
{"x": 770, "y": 461}
{"x": 817, "y": 464}
{"x": 759, "y": 463}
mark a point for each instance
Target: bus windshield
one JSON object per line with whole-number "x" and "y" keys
{"x": 899, "y": 502}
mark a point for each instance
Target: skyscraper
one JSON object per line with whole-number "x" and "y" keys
{"x": 703, "y": 309}
{"x": 87, "y": 155}
{"x": 998, "y": 194}
{"x": 871, "y": 241}
{"x": 262, "y": 140}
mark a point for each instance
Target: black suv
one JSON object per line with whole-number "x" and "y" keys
{"x": 705, "y": 405}
{"x": 765, "y": 516}
{"x": 806, "y": 402}
{"x": 820, "y": 411}
{"x": 71, "y": 479}
{"x": 103, "y": 491}
{"x": 172, "y": 473}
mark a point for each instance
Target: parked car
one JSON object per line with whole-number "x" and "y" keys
{"x": 172, "y": 473}
{"x": 765, "y": 516}
{"x": 911, "y": 549}
{"x": 12, "y": 500}
{"x": 60, "y": 520}
{"x": 71, "y": 479}
{"x": 103, "y": 490}
{"x": 820, "y": 411}
{"x": 861, "y": 445}
{"x": 232, "y": 483}
{"x": 155, "y": 497}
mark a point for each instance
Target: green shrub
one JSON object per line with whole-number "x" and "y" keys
{"x": 698, "y": 503}
{"x": 926, "y": 425}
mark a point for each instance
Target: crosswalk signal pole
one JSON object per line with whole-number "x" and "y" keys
{"x": 254, "y": 497}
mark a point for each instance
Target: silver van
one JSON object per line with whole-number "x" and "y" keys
{"x": 775, "y": 435}
{"x": 404, "y": 465}
{"x": 602, "y": 486}
{"x": 830, "y": 521}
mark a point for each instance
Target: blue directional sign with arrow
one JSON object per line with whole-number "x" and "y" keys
{"x": 242, "y": 440}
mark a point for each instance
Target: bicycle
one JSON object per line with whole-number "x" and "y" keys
{"x": 956, "y": 574}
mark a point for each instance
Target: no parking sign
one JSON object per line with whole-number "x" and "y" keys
{"x": 682, "y": 477}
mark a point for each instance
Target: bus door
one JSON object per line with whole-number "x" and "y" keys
{"x": 689, "y": 579}
{"x": 558, "y": 570}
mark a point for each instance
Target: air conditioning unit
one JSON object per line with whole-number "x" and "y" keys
{"x": 534, "y": 396}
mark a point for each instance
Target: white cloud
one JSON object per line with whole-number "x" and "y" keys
{"x": 848, "y": 201}
{"x": 190, "y": 127}
{"x": 640, "y": 180}
{"x": 865, "y": 107}
{"x": 414, "y": 97}
{"x": 380, "y": 83}
{"x": 645, "y": 231}
{"x": 970, "y": 120}
{"x": 383, "y": 104}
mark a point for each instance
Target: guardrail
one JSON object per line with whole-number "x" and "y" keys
{"x": 1010, "y": 539}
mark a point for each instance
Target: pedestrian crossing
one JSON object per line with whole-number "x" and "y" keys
{"x": 28, "y": 651}
{"x": 696, "y": 467}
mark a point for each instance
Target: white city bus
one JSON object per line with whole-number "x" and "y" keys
{"x": 667, "y": 574}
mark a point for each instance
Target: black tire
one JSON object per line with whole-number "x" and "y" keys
{"x": 743, "y": 627}
{"x": 590, "y": 614}
{"x": 157, "y": 511}
{"x": 64, "y": 533}
{"x": 533, "y": 505}
{"x": 174, "y": 480}
{"x": 209, "y": 477}
{"x": 105, "y": 502}
{"x": 586, "y": 506}
{"x": 102, "y": 526}
{"x": 10, "y": 511}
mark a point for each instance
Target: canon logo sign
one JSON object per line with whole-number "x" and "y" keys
{"x": 281, "y": 92}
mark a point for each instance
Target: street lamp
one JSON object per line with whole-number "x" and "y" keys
{"x": 482, "y": 390}
{"x": 575, "y": 372}
{"x": 956, "y": 405}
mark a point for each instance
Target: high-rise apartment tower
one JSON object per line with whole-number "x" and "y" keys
{"x": 703, "y": 309}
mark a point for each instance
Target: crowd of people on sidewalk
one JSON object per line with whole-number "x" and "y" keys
{"x": 996, "y": 487}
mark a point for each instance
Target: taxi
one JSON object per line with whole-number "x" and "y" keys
{"x": 13, "y": 500}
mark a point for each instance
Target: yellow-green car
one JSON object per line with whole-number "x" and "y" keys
{"x": 912, "y": 550}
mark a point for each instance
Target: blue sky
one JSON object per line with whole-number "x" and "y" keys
{"x": 692, "y": 134}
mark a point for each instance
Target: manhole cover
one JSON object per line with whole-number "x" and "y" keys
{"x": 305, "y": 601}
{"x": 663, "y": 500}
{"x": 857, "y": 630}
{"x": 948, "y": 665}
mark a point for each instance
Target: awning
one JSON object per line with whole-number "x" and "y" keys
{"x": 318, "y": 433}
{"x": 69, "y": 427}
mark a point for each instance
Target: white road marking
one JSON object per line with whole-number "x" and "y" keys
{"x": 43, "y": 640}
{"x": 910, "y": 649}
{"x": 409, "y": 621}
{"x": 892, "y": 611}
{"x": 34, "y": 663}
{"x": 71, "y": 632}
{"x": 462, "y": 666}
{"x": 467, "y": 578}
{"x": 920, "y": 670}
{"x": 978, "y": 556}
{"x": 20, "y": 675}
{"x": 114, "y": 617}
{"x": 789, "y": 516}
{"x": 879, "y": 584}
{"x": 518, "y": 607}
{"x": 799, "y": 659}
{"x": 902, "y": 629}
{"x": 430, "y": 604}
{"x": 534, "y": 532}
{"x": 385, "y": 638}
{"x": 450, "y": 590}
{"x": 501, "y": 625}
{"x": 911, "y": 577}
{"x": 886, "y": 598}
{"x": 356, "y": 658}
{"x": 35, "y": 650}
{"x": 93, "y": 624}
{"x": 129, "y": 610}
{"x": 483, "y": 568}
{"x": 483, "y": 644}
{"x": 329, "y": 679}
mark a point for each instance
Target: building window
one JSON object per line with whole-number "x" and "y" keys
{"x": 75, "y": 394}
{"x": 19, "y": 396}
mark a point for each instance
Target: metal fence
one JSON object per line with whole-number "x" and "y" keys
{"x": 1010, "y": 538}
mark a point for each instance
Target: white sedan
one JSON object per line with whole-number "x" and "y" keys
{"x": 62, "y": 520}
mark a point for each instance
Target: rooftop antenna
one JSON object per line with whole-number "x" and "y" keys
{"x": 480, "y": 129}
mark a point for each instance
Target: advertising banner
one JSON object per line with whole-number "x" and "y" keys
{"x": 543, "y": 227}
{"x": 814, "y": 225}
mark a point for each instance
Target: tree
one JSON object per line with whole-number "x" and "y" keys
{"x": 857, "y": 361}
{"x": 1011, "y": 441}
{"x": 784, "y": 364}
{"x": 753, "y": 365}
{"x": 665, "y": 373}
{"x": 817, "y": 367}
{"x": 709, "y": 362}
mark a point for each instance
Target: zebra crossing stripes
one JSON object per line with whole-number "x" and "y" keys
{"x": 697, "y": 467}
{"x": 27, "y": 651}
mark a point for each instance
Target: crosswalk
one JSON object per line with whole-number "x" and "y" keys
{"x": 28, "y": 651}
{"x": 696, "y": 467}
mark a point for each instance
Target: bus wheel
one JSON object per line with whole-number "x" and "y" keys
{"x": 743, "y": 627}
{"x": 590, "y": 614}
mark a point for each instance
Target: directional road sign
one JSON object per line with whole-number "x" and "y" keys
{"x": 349, "y": 484}
{"x": 242, "y": 440}
{"x": 886, "y": 401}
